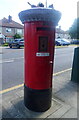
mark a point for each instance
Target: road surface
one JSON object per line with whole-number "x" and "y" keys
{"x": 13, "y": 64}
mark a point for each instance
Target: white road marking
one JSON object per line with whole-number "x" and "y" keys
{"x": 9, "y": 60}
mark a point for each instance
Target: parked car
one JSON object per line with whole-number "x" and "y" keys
{"x": 75, "y": 41}
{"x": 60, "y": 42}
{"x": 57, "y": 43}
{"x": 16, "y": 43}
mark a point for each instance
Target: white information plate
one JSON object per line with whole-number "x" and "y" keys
{"x": 42, "y": 54}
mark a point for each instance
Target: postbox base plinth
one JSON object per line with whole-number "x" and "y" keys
{"x": 37, "y": 100}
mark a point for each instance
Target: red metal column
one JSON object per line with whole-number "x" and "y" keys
{"x": 38, "y": 69}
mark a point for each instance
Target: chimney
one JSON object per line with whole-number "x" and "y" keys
{"x": 9, "y": 18}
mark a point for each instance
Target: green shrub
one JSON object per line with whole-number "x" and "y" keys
{"x": 16, "y": 36}
{"x": 5, "y": 44}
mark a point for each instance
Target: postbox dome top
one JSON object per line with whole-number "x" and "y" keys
{"x": 40, "y": 14}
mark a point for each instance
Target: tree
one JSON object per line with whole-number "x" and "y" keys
{"x": 16, "y": 36}
{"x": 74, "y": 29}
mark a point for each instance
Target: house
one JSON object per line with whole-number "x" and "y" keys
{"x": 9, "y": 28}
{"x": 62, "y": 34}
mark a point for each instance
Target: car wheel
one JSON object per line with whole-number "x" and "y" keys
{"x": 18, "y": 46}
{"x": 10, "y": 46}
{"x": 56, "y": 44}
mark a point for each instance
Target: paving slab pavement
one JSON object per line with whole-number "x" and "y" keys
{"x": 64, "y": 101}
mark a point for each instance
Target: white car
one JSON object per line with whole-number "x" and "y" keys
{"x": 62, "y": 42}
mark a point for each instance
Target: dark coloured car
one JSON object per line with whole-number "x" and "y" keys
{"x": 60, "y": 42}
{"x": 57, "y": 43}
{"x": 16, "y": 43}
{"x": 75, "y": 42}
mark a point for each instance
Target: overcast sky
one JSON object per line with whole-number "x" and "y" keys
{"x": 68, "y": 8}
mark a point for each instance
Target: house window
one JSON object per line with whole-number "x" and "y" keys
{"x": 8, "y": 30}
{"x": 19, "y": 31}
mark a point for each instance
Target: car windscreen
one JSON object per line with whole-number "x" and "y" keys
{"x": 22, "y": 40}
{"x": 16, "y": 40}
{"x": 62, "y": 41}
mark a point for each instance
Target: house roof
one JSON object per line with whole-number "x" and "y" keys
{"x": 6, "y": 23}
{"x": 58, "y": 30}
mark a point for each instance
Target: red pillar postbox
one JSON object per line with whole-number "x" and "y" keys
{"x": 39, "y": 36}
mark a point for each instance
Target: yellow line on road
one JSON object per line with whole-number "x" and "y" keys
{"x": 21, "y": 85}
{"x": 10, "y": 89}
{"x": 61, "y": 72}
{"x": 66, "y": 46}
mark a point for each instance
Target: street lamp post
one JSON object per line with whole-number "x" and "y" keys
{"x": 46, "y": 3}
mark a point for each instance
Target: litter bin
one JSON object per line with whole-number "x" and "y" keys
{"x": 39, "y": 36}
